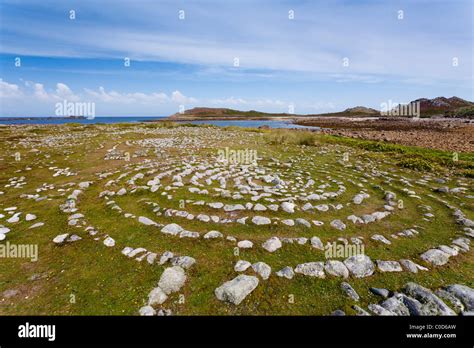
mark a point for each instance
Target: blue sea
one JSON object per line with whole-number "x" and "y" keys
{"x": 53, "y": 120}
{"x": 221, "y": 123}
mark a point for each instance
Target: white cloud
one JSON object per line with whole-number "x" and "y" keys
{"x": 62, "y": 92}
{"x": 39, "y": 100}
{"x": 139, "y": 97}
{"x": 65, "y": 93}
{"x": 178, "y": 97}
{"x": 39, "y": 91}
{"x": 9, "y": 90}
{"x": 232, "y": 101}
{"x": 229, "y": 101}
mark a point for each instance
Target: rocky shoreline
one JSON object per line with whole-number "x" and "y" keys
{"x": 441, "y": 134}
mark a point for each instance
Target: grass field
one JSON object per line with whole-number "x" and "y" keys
{"x": 86, "y": 277}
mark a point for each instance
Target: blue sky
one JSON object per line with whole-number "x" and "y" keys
{"x": 190, "y": 61}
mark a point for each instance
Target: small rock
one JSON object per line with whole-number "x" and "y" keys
{"x": 464, "y": 293}
{"x": 172, "y": 229}
{"x": 312, "y": 269}
{"x": 61, "y": 238}
{"x": 172, "y": 279}
{"x": 286, "y": 272}
{"x": 30, "y": 217}
{"x": 109, "y": 242}
{"x": 213, "y": 235}
{"x": 431, "y": 303}
{"x": 245, "y": 244}
{"x": 338, "y": 224}
{"x": 379, "y": 310}
{"x": 360, "y": 266}
{"x": 261, "y": 220}
{"x": 262, "y": 269}
{"x": 435, "y": 257}
{"x": 183, "y": 261}
{"x": 336, "y": 268}
{"x": 288, "y": 207}
{"x": 380, "y": 292}
{"x": 394, "y": 305}
{"x": 242, "y": 266}
{"x": 272, "y": 244}
{"x": 147, "y": 311}
{"x": 156, "y": 297}
{"x": 167, "y": 255}
{"x": 316, "y": 243}
{"x": 146, "y": 221}
{"x": 237, "y": 289}
{"x": 349, "y": 291}
{"x": 389, "y": 266}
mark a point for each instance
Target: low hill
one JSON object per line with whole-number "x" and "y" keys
{"x": 203, "y": 113}
{"x": 224, "y": 113}
{"x": 440, "y": 106}
{"x": 357, "y": 111}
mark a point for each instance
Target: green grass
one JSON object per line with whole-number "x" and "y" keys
{"x": 104, "y": 282}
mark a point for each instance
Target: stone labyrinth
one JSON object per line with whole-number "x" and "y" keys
{"x": 323, "y": 229}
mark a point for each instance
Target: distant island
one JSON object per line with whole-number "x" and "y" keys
{"x": 453, "y": 107}
{"x": 204, "y": 113}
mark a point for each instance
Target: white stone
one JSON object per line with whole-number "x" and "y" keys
{"x": 165, "y": 257}
{"x": 237, "y": 289}
{"x": 262, "y": 269}
{"x": 245, "y": 244}
{"x": 156, "y": 297}
{"x": 316, "y": 243}
{"x": 261, "y": 220}
{"x": 151, "y": 258}
{"x": 288, "y": 207}
{"x": 147, "y": 311}
{"x": 110, "y": 242}
{"x": 135, "y": 252}
{"x": 338, "y": 224}
{"x": 286, "y": 272}
{"x": 172, "y": 279}
{"x": 172, "y": 229}
{"x": 183, "y": 261}
{"x": 272, "y": 244}
{"x": 336, "y": 268}
{"x": 213, "y": 235}
{"x": 312, "y": 269}
{"x": 126, "y": 251}
{"x": 388, "y": 266}
{"x": 4, "y": 230}
{"x": 188, "y": 234}
{"x": 242, "y": 220}
{"x": 15, "y": 218}
{"x": 380, "y": 238}
{"x": 146, "y": 221}
{"x": 30, "y": 217}
{"x": 61, "y": 238}
{"x": 360, "y": 266}
{"x": 435, "y": 257}
{"x": 242, "y": 266}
